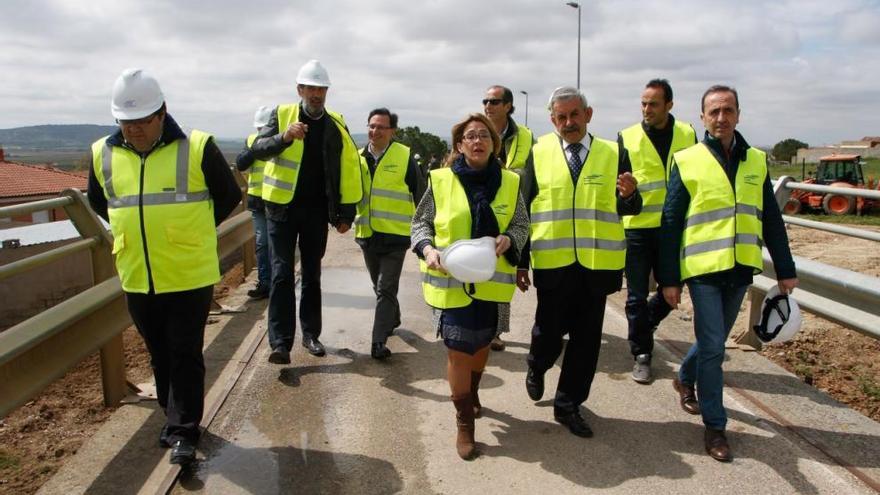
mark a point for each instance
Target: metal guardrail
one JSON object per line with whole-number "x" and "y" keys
{"x": 41, "y": 349}
{"x": 845, "y": 297}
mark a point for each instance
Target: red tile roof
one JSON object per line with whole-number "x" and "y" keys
{"x": 20, "y": 180}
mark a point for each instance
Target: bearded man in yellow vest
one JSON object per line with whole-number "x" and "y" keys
{"x": 577, "y": 190}
{"x": 650, "y": 145}
{"x": 164, "y": 192}
{"x": 393, "y": 185}
{"x": 720, "y": 211}
{"x": 312, "y": 178}
{"x": 515, "y": 154}
{"x": 245, "y": 161}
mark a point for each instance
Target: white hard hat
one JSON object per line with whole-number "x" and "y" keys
{"x": 312, "y": 73}
{"x": 470, "y": 260}
{"x": 261, "y": 117}
{"x": 780, "y": 317}
{"x": 417, "y": 156}
{"x": 136, "y": 94}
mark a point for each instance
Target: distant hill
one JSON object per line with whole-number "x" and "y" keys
{"x": 53, "y": 137}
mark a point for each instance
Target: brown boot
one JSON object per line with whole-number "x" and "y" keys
{"x": 475, "y": 392}
{"x": 464, "y": 442}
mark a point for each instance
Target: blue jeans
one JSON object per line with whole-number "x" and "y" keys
{"x": 642, "y": 314}
{"x": 715, "y": 310}
{"x": 261, "y": 238}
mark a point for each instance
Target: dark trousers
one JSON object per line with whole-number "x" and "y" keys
{"x": 385, "y": 271}
{"x": 306, "y": 227}
{"x": 568, "y": 307}
{"x": 173, "y": 327}
{"x": 643, "y": 314}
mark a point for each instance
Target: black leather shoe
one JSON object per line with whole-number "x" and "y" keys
{"x": 279, "y": 355}
{"x": 163, "y": 438}
{"x": 314, "y": 347}
{"x": 379, "y": 351}
{"x": 183, "y": 452}
{"x": 261, "y": 291}
{"x": 717, "y": 446}
{"x": 575, "y": 423}
{"x": 534, "y": 384}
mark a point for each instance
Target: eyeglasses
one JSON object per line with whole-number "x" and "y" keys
{"x": 473, "y": 137}
{"x": 377, "y": 127}
{"x": 492, "y": 101}
{"x": 143, "y": 121}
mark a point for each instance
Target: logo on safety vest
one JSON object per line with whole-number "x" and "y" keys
{"x": 593, "y": 180}
{"x": 751, "y": 179}
{"x": 500, "y": 209}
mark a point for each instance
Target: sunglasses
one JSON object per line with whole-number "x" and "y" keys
{"x": 492, "y": 101}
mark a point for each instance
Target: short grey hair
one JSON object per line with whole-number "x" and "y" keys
{"x": 566, "y": 93}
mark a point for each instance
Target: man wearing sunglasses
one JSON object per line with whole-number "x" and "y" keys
{"x": 164, "y": 192}
{"x": 515, "y": 153}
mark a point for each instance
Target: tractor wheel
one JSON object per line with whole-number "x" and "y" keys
{"x": 835, "y": 204}
{"x": 792, "y": 207}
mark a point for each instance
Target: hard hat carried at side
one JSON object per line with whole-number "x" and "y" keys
{"x": 780, "y": 318}
{"x": 262, "y": 116}
{"x": 470, "y": 260}
{"x": 136, "y": 94}
{"x": 312, "y": 73}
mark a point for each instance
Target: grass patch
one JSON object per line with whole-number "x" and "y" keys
{"x": 7, "y": 460}
{"x": 870, "y": 169}
{"x": 869, "y": 387}
{"x": 869, "y": 218}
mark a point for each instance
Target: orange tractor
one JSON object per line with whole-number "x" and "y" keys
{"x": 835, "y": 171}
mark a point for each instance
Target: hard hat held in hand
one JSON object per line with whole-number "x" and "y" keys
{"x": 312, "y": 73}
{"x": 262, "y": 116}
{"x": 470, "y": 260}
{"x": 780, "y": 318}
{"x": 136, "y": 95}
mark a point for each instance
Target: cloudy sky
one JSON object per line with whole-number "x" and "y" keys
{"x": 804, "y": 69}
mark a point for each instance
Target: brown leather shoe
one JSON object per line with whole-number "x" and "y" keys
{"x": 687, "y": 397}
{"x": 497, "y": 344}
{"x": 716, "y": 445}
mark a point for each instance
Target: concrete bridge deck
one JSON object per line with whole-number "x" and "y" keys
{"x": 348, "y": 424}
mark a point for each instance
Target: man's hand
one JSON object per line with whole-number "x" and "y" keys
{"x": 626, "y": 184}
{"x": 522, "y": 279}
{"x": 432, "y": 258}
{"x": 787, "y": 285}
{"x": 502, "y": 244}
{"x": 343, "y": 228}
{"x": 296, "y": 130}
{"x": 672, "y": 295}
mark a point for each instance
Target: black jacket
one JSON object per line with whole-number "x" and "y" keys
{"x": 602, "y": 282}
{"x": 269, "y": 143}
{"x": 675, "y": 208}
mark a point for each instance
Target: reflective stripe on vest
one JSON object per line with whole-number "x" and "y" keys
{"x": 649, "y": 171}
{"x": 281, "y": 172}
{"x": 452, "y": 221}
{"x": 255, "y": 172}
{"x": 722, "y": 226}
{"x": 519, "y": 148}
{"x": 173, "y": 209}
{"x": 580, "y": 224}
{"x": 387, "y": 205}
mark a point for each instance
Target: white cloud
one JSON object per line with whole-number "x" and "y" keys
{"x": 804, "y": 69}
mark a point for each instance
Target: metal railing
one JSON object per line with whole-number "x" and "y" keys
{"x": 41, "y": 349}
{"x": 842, "y": 296}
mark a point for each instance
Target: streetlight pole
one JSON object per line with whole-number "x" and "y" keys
{"x": 577, "y": 6}
{"x": 527, "y": 106}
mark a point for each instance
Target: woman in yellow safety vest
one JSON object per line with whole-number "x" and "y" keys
{"x": 470, "y": 197}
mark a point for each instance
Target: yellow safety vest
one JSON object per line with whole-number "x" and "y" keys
{"x": 722, "y": 226}
{"x": 580, "y": 223}
{"x": 282, "y": 171}
{"x": 519, "y": 148}
{"x": 649, "y": 171}
{"x": 173, "y": 209}
{"x": 387, "y": 204}
{"x": 452, "y": 221}
{"x": 255, "y": 174}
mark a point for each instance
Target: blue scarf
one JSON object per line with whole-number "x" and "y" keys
{"x": 480, "y": 187}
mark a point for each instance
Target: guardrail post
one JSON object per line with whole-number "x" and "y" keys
{"x": 113, "y": 352}
{"x": 749, "y": 338}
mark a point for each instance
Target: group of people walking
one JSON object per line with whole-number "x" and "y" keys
{"x": 568, "y": 212}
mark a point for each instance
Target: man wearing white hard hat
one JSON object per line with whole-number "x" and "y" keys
{"x": 312, "y": 178}
{"x": 164, "y": 192}
{"x": 720, "y": 211}
{"x": 246, "y": 161}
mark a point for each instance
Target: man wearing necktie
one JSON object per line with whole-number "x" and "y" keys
{"x": 577, "y": 189}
